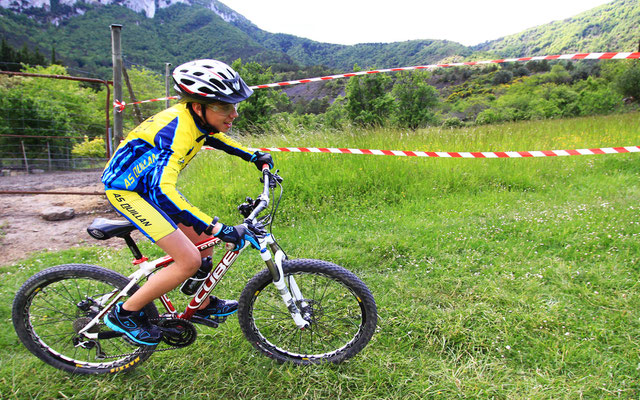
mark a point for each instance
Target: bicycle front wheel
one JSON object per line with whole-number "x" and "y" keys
{"x": 55, "y": 304}
{"x": 338, "y": 305}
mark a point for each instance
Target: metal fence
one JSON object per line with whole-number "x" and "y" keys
{"x": 44, "y": 155}
{"x": 29, "y": 141}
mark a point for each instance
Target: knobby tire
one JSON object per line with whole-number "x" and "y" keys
{"x": 343, "y": 314}
{"x": 46, "y": 316}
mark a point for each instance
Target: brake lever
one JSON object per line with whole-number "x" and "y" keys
{"x": 274, "y": 179}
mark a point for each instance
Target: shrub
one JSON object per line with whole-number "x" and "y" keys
{"x": 502, "y": 77}
{"x": 628, "y": 82}
{"x": 94, "y": 148}
{"x": 453, "y": 122}
{"x": 489, "y": 116}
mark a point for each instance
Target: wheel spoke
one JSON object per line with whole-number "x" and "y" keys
{"x": 48, "y": 315}
{"x": 334, "y": 317}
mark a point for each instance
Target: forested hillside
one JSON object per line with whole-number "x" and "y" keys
{"x": 182, "y": 32}
{"x": 610, "y": 27}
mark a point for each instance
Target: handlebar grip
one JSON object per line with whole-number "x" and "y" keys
{"x": 265, "y": 166}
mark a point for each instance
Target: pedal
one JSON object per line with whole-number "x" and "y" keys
{"x": 109, "y": 334}
{"x": 210, "y": 322}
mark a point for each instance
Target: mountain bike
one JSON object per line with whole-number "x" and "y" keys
{"x": 302, "y": 311}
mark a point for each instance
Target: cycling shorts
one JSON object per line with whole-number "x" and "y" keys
{"x": 142, "y": 212}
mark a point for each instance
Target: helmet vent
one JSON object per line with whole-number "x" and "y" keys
{"x": 198, "y": 73}
{"x": 187, "y": 82}
{"x": 218, "y": 84}
{"x": 206, "y": 90}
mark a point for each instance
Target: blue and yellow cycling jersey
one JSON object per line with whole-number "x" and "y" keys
{"x": 153, "y": 154}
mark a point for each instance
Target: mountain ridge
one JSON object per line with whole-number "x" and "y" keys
{"x": 78, "y": 30}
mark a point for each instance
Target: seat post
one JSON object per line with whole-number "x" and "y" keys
{"x": 132, "y": 246}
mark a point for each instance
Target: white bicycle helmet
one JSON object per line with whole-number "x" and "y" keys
{"x": 207, "y": 81}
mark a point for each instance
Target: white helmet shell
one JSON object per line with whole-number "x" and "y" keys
{"x": 206, "y": 81}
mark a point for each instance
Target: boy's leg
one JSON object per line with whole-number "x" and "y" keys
{"x": 220, "y": 307}
{"x": 197, "y": 238}
{"x": 187, "y": 260}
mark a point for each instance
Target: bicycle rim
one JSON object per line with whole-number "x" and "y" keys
{"x": 339, "y": 307}
{"x": 54, "y": 305}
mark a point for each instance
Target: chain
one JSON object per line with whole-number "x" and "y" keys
{"x": 155, "y": 349}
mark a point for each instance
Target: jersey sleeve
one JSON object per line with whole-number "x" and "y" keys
{"x": 174, "y": 147}
{"x": 222, "y": 142}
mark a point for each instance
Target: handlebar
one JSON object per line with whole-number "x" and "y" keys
{"x": 262, "y": 202}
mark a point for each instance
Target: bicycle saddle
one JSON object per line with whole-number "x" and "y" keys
{"x": 103, "y": 229}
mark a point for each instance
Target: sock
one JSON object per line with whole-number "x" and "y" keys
{"x": 125, "y": 313}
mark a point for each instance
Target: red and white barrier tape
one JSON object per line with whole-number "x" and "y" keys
{"x": 581, "y": 56}
{"x": 443, "y": 154}
{"x": 120, "y": 105}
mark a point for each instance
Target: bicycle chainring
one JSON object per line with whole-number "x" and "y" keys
{"x": 177, "y": 332}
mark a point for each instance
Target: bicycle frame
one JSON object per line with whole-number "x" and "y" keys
{"x": 289, "y": 294}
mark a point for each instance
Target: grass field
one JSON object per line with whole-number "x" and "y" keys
{"x": 494, "y": 278}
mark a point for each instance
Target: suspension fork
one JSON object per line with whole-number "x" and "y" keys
{"x": 275, "y": 267}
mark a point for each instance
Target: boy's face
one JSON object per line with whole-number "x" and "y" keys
{"x": 219, "y": 115}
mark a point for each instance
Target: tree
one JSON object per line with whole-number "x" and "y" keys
{"x": 256, "y": 112}
{"x": 49, "y": 107}
{"x": 628, "y": 81}
{"x": 368, "y": 101}
{"x": 416, "y": 100}
{"x": 146, "y": 84}
{"x": 501, "y": 77}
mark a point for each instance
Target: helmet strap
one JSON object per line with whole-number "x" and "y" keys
{"x": 203, "y": 119}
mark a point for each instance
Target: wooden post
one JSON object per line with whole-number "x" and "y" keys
{"x": 24, "y": 154}
{"x": 167, "y": 82}
{"x": 116, "y": 53}
{"x": 136, "y": 109}
{"x": 49, "y": 155}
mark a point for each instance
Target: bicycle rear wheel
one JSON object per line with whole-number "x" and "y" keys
{"x": 339, "y": 306}
{"x": 55, "y": 304}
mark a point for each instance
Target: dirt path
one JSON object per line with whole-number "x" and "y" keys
{"x": 22, "y": 229}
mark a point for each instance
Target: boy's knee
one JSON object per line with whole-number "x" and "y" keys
{"x": 190, "y": 264}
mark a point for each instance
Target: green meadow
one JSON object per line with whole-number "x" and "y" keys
{"x": 494, "y": 278}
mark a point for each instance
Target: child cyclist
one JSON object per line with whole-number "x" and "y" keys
{"x": 140, "y": 182}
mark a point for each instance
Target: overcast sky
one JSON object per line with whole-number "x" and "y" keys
{"x": 355, "y": 21}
